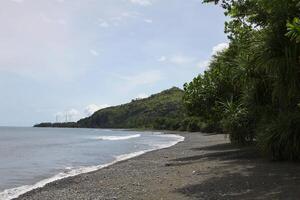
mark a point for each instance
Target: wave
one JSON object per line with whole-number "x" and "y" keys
{"x": 12, "y": 193}
{"x": 118, "y": 137}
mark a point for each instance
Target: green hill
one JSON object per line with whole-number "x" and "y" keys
{"x": 164, "y": 110}
{"x": 160, "y": 111}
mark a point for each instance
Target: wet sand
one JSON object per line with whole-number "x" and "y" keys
{"x": 202, "y": 167}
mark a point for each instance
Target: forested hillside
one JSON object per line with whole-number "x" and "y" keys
{"x": 251, "y": 90}
{"x": 164, "y": 110}
{"x": 160, "y": 111}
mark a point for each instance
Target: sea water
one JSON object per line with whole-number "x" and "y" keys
{"x": 33, "y": 157}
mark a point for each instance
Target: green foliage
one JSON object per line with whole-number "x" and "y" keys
{"x": 192, "y": 124}
{"x": 237, "y": 123}
{"x": 215, "y": 85}
{"x": 160, "y": 111}
{"x": 294, "y": 29}
{"x": 57, "y": 125}
{"x": 257, "y": 78}
{"x": 280, "y": 138}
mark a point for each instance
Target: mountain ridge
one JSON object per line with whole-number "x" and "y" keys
{"x": 164, "y": 110}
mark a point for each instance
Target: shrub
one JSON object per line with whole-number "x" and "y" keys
{"x": 237, "y": 123}
{"x": 193, "y": 124}
{"x": 280, "y": 139}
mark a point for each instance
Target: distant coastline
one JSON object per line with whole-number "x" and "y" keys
{"x": 57, "y": 125}
{"x": 162, "y": 111}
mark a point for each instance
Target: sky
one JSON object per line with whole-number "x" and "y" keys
{"x": 77, "y": 56}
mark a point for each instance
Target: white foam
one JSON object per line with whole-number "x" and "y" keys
{"x": 118, "y": 137}
{"x": 177, "y": 138}
{"x": 129, "y": 155}
{"x": 12, "y": 193}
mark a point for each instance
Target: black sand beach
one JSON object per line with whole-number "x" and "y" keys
{"x": 201, "y": 167}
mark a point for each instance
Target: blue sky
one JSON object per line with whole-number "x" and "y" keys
{"x": 76, "y": 56}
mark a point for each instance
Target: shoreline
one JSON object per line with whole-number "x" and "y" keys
{"x": 201, "y": 167}
{"x": 14, "y": 193}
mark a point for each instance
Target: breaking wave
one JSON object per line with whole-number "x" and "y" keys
{"x": 127, "y": 137}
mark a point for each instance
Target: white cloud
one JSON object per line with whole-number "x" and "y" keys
{"x": 94, "y": 52}
{"x": 162, "y": 59}
{"x": 177, "y": 59}
{"x": 17, "y": 1}
{"x": 142, "y": 96}
{"x": 48, "y": 19}
{"x": 188, "y": 61}
{"x": 129, "y": 14}
{"x": 181, "y": 60}
{"x": 144, "y": 78}
{"x": 141, "y": 2}
{"x": 149, "y": 21}
{"x": 73, "y": 115}
{"x": 92, "y": 108}
{"x": 219, "y": 48}
{"x": 117, "y": 19}
{"x": 103, "y": 23}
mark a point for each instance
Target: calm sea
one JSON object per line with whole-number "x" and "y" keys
{"x": 32, "y": 157}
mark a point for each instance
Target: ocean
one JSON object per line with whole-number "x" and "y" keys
{"x": 33, "y": 157}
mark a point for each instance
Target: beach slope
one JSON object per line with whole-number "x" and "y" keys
{"x": 201, "y": 167}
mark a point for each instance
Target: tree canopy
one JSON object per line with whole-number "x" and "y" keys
{"x": 251, "y": 90}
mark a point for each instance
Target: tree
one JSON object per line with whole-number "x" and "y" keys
{"x": 253, "y": 85}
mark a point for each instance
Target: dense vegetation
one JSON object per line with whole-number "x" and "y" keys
{"x": 160, "y": 111}
{"x": 58, "y": 125}
{"x": 164, "y": 110}
{"x": 251, "y": 90}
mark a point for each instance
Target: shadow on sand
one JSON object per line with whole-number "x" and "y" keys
{"x": 245, "y": 175}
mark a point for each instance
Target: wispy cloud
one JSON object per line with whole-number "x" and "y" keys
{"x": 184, "y": 60}
{"x": 48, "y": 19}
{"x": 94, "y": 52}
{"x": 17, "y": 1}
{"x": 162, "y": 59}
{"x": 117, "y": 19}
{"x": 177, "y": 59}
{"x": 149, "y": 21}
{"x": 141, "y": 2}
{"x": 103, "y": 23}
{"x": 73, "y": 114}
{"x": 143, "y": 78}
{"x": 181, "y": 59}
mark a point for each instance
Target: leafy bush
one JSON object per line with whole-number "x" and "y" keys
{"x": 259, "y": 73}
{"x": 280, "y": 138}
{"x": 237, "y": 123}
